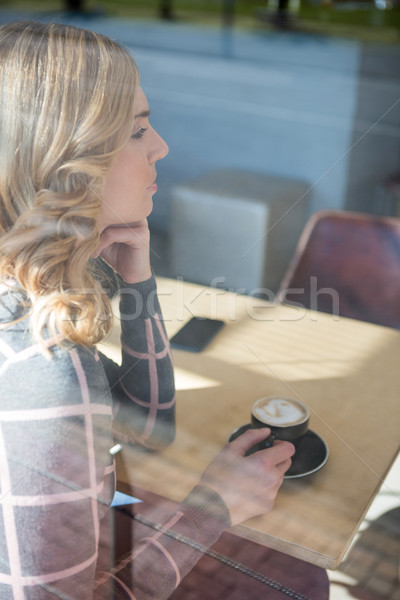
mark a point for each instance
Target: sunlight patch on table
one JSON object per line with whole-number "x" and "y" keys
{"x": 112, "y": 350}
{"x": 300, "y": 352}
{"x": 187, "y": 380}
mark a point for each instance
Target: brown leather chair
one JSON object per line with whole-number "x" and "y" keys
{"x": 347, "y": 264}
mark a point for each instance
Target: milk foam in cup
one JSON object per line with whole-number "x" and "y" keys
{"x": 279, "y": 411}
{"x": 286, "y": 417}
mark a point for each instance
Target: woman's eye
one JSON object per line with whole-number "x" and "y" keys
{"x": 139, "y": 133}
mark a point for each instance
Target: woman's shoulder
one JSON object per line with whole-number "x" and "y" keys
{"x": 66, "y": 374}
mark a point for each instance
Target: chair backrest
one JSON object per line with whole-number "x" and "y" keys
{"x": 347, "y": 264}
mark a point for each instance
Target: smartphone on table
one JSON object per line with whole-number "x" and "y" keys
{"x": 196, "y": 334}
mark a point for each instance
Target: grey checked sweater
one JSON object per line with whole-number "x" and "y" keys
{"x": 57, "y": 476}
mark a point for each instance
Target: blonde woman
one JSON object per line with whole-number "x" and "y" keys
{"x": 77, "y": 179}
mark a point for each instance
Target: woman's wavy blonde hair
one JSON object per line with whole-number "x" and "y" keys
{"x": 66, "y": 108}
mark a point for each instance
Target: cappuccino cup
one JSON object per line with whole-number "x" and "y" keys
{"x": 286, "y": 417}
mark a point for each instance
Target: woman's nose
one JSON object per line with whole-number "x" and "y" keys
{"x": 160, "y": 148}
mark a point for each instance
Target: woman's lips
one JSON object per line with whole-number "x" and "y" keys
{"x": 153, "y": 187}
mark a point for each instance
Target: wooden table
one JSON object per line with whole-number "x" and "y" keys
{"x": 347, "y": 372}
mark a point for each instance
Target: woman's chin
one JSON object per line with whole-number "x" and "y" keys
{"x": 135, "y": 222}
{"x": 123, "y": 225}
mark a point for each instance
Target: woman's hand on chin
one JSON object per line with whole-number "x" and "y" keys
{"x": 126, "y": 248}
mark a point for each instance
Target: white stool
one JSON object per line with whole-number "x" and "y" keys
{"x": 236, "y": 229}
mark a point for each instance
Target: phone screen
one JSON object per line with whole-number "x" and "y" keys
{"x": 196, "y": 334}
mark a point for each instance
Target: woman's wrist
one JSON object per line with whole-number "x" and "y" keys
{"x": 136, "y": 277}
{"x": 207, "y": 507}
{"x": 138, "y": 299}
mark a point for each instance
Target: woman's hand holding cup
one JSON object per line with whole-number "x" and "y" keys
{"x": 248, "y": 484}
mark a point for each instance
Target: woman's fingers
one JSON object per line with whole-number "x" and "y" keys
{"x": 284, "y": 466}
{"x": 126, "y": 248}
{"x": 278, "y": 453}
{"x": 249, "y": 438}
{"x": 135, "y": 235}
{"x": 249, "y": 484}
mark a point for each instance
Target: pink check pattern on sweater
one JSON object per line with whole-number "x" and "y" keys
{"x": 57, "y": 476}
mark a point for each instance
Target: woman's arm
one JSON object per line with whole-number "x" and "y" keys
{"x": 143, "y": 386}
{"x": 167, "y": 544}
{"x": 233, "y": 488}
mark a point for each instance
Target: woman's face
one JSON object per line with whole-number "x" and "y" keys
{"x": 130, "y": 184}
